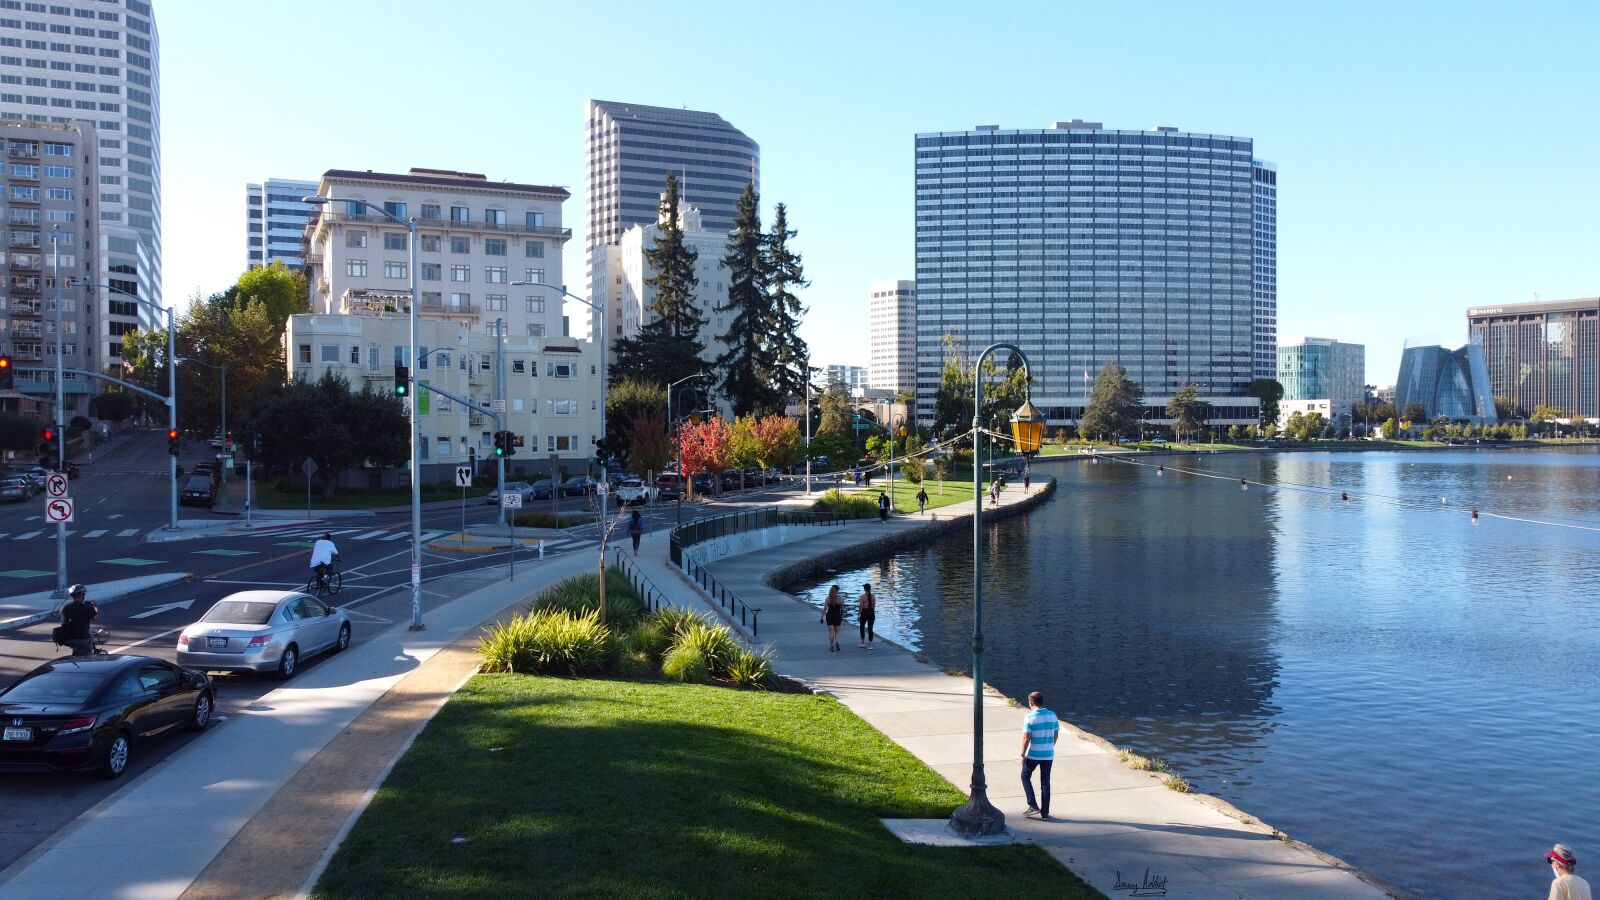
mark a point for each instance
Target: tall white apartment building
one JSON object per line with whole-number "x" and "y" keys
{"x": 854, "y": 378}
{"x": 47, "y": 181}
{"x": 892, "y": 330}
{"x": 486, "y": 250}
{"x": 99, "y": 63}
{"x": 275, "y": 222}
{"x": 552, "y": 396}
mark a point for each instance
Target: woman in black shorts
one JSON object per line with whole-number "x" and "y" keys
{"x": 833, "y": 616}
{"x": 867, "y": 614}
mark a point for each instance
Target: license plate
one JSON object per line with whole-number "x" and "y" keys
{"x": 216, "y": 642}
{"x": 19, "y": 734}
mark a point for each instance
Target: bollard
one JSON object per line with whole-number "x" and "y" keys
{"x": 541, "y": 548}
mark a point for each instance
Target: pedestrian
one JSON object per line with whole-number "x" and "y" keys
{"x": 868, "y": 475}
{"x": 1026, "y": 478}
{"x": 833, "y": 616}
{"x": 883, "y": 507}
{"x": 867, "y": 615}
{"x": 994, "y": 492}
{"x": 1039, "y": 729}
{"x": 75, "y": 618}
{"x": 1566, "y": 885}
{"x": 857, "y": 474}
{"x": 922, "y": 500}
{"x": 636, "y": 530}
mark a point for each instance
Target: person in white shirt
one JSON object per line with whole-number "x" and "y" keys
{"x": 1566, "y": 886}
{"x": 323, "y": 554}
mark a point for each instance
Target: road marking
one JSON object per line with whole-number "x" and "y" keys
{"x": 360, "y": 537}
{"x": 95, "y": 533}
{"x": 131, "y": 561}
{"x": 227, "y": 552}
{"x": 4, "y": 533}
{"x": 114, "y": 516}
{"x": 23, "y": 537}
{"x": 398, "y": 535}
{"x": 127, "y": 532}
{"x": 259, "y": 584}
{"x": 342, "y": 531}
{"x": 23, "y": 573}
{"x": 368, "y": 616}
{"x": 153, "y": 637}
{"x": 165, "y": 607}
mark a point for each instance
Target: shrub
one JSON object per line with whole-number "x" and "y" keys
{"x": 849, "y": 506}
{"x": 543, "y": 519}
{"x": 635, "y": 664}
{"x": 548, "y": 642}
{"x": 687, "y": 664}
{"x": 674, "y": 620}
{"x": 581, "y": 593}
{"x": 650, "y": 638}
{"x": 714, "y": 643}
{"x": 749, "y": 669}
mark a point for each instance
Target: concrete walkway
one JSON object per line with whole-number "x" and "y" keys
{"x": 1115, "y": 827}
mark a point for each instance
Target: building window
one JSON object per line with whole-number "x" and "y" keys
{"x": 442, "y": 446}
{"x": 494, "y": 247}
{"x": 355, "y": 355}
{"x": 519, "y": 367}
{"x": 460, "y": 301}
{"x": 304, "y": 354}
{"x": 534, "y": 249}
{"x": 535, "y": 220}
{"x": 494, "y": 302}
{"x": 431, "y": 243}
{"x": 495, "y": 218}
{"x": 394, "y": 269}
{"x": 536, "y": 329}
{"x": 394, "y": 240}
{"x": 460, "y": 214}
{"x": 395, "y": 208}
{"x": 372, "y": 357}
{"x": 460, "y": 245}
{"x": 432, "y": 298}
{"x": 536, "y": 304}
{"x": 431, "y": 271}
{"x": 430, "y": 211}
{"x": 355, "y": 268}
{"x": 355, "y": 239}
{"x": 535, "y": 276}
{"x": 460, "y": 273}
{"x": 559, "y": 370}
{"x": 494, "y": 274}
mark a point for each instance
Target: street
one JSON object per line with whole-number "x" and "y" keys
{"x": 122, "y": 495}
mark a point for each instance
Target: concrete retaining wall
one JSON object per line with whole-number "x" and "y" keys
{"x": 747, "y": 541}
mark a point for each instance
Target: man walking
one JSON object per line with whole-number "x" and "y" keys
{"x": 1039, "y": 730}
{"x": 883, "y": 507}
{"x": 75, "y": 619}
{"x": 922, "y": 500}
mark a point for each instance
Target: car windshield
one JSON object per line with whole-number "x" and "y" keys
{"x": 240, "y": 612}
{"x": 54, "y": 687}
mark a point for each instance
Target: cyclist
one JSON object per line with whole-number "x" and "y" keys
{"x": 323, "y": 555}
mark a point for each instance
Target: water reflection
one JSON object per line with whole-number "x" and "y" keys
{"x": 1380, "y": 677}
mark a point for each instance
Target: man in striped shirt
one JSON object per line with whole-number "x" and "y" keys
{"x": 1039, "y": 730}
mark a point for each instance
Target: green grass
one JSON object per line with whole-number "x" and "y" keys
{"x": 598, "y": 788}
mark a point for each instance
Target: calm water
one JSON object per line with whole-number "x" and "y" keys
{"x": 1384, "y": 680}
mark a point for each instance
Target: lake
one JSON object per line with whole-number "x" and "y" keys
{"x": 1378, "y": 677}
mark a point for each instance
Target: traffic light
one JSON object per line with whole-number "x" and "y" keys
{"x": 600, "y": 452}
{"x": 402, "y": 380}
{"x": 6, "y": 379}
{"x": 172, "y": 441}
{"x": 511, "y": 444}
{"x": 47, "y": 435}
{"x": 499, "y": 443}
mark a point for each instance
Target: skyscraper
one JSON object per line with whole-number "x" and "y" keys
{"x": 1312, "y": 368}
{"x": 1542, "y": 354}
{"x": 630, "y": 148}
{"x": 1083, "y": 245}
{"x": 99, "y": 65}
{"x": 892, "y": 329}
{"x": 275, "y": 222}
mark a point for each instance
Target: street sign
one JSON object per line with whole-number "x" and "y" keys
{"x": 463, "y": 476}
{"x": 602, "y": 489}
{"x": 58, "y": 510}
{"x": 225, "y": 458}
{"x": 55, "y": 484}
{"x": 498, "y": 406}
{"x": 309, "y": 467}
{"x": 511, "y": 501}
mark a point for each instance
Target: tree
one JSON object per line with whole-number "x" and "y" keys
{"x": 1312, "y": 425}
{"x": 115, "y": 405}
{"x": 1269, "y": 392}
{"x": 1187, "y": 411}
{"x": 19, "y": 433}
{"x": 1543, "y": 413}
{"x": 750, "y": 363}
{"x": 1390, "y": 429}
{"x": 655, "y": 356}
{"x": 878, "y": 447}
{"x": 623, "y": 399}
{"x": 668, "y": 347}
{"x": 705, "y": 448}
{"x": 785, "y": 275}
{"x": 1235, "y": 432}
{"x": 649, "y": 443}
{"x": 952, "y": 401}
{"x": 1506, "y": 408}
{"x": 744, "y": 445}
{"x": 913, "y": 466}
{"x": 1414, "y": 412}
{"x": 837, "y": 416}
{"x": 326, "y": 421}
{"x": 280, "y": 290}
{"x": 777, "y": 442}
{"x": 241, "y": 337}
{"x": 1114, "y": 404}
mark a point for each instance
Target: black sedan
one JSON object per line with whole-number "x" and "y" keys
{"x": 89, "y": 712}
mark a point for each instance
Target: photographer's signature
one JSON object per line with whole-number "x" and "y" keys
{"x": 1148, "y": 886}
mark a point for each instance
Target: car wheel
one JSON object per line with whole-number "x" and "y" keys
{"x": 114, "y": 761}
{"x": 289, "y": 661}
{"x": 344, "y": 638}
{"x": 201, "y": 717}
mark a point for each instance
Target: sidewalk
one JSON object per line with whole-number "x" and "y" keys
{"x": 27, "y": 609}
{"x": 257, "y": 806}
{"x": 1113, "y": 825}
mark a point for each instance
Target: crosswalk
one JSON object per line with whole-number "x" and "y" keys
{"x": 402, "y": 533}
{"x": 51, "y": 533}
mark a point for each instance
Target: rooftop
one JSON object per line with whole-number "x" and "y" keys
{"x": 445, "y": 178}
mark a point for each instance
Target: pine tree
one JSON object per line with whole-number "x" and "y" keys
{"x": 749, "y": 363}
{"x": 786, "y": 275}
{"x": 668, "y": 348}
{"x": 1113, "y": 405}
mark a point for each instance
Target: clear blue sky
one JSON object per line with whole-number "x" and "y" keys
{"x": 1431, "y": 156}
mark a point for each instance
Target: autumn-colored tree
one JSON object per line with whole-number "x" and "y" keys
{"x": 705, "y": 448}
{"x": 744, "y": 447}
{"x": 649, "y": 443}
{"x": 777, "y": 442}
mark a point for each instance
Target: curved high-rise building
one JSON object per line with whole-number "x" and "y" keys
{"x": 1082, "y": 244}
{"x": 1449, "y": 383}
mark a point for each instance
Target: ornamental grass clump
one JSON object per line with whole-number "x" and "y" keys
{"x": 674, "y": 620}
{"x": 581, "y": 593}
{"x": 687, "y": 664}
{"x": 715, "y": 643}
{"x": 849, "y": 506}
{"x": 751, "y": 669}
{"x": 549, "y": 642}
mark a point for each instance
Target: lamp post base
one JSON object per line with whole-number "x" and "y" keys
{"x": 977, "y": 817}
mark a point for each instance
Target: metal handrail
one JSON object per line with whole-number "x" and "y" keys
{"x": 745, "y": 520}
{"x": 652, "y": 595}
{"x": 749, "y": 616}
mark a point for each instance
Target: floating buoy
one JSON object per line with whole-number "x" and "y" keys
{"x": 1161, "y": 470}
{"x": 1243, "y": 485}
{"x": 1443, "y": 500}
{"x": 1345, "y": 496}
{"x": 1474, "y": 517}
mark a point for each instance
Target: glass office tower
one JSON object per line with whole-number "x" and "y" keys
{"x": 1542, "y": 354}
{"x": 1084, "y": 245}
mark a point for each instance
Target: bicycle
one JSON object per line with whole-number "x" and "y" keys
{"x": 328, "y": 584}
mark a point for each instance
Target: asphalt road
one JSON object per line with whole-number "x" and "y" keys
{"x": 121, "y": 496}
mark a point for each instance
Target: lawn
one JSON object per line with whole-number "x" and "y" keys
{"x": 530, "y": 786}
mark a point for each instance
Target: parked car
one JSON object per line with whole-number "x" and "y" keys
{"x": 91, "y": 712}
{"x": 702, "y": 483}
{"x": 210, "y": 470}
{"x": 263, "y": 631}
{"x": 543, "y": 489}
{"x": 513, "y": 487}
{"x": 71, "y": 470}
{"x": 669, "y": 486}
{"x": 578, "y": 485}
{"x": 16, "y": 488}
{"x": 732, "y": 478}
{"x": 199, "y": 490}
{"x": 215, "y": 441}
{"x": 634, "y": 490}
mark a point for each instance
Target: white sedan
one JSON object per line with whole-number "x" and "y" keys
{"x": 634, "y": 490}
{"x": 263, "y": 631}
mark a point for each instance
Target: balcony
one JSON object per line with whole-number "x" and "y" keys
{"x": 23, "y": 151}
{"x": 440, "y": 309}
{"x": 25, "y": 239}
{"x": 450, "y": 225}
{"x": 27, "y": 331}
{"x": 23, "y": 175}
{"x": 24, "y": 217}
{"x": 26, "y": 262}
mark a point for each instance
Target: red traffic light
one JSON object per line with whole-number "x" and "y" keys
{"x": 172, "y": 434}
{"x": 5, "y": 363}
{"x": 47, "y": 434}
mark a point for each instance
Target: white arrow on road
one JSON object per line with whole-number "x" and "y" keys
{"x": 165, "y": 607}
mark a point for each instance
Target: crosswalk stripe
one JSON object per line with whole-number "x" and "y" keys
{"x": 23, "y": 537}
{"x": 4, "y": 533}
{"x": 95, "y": 533}
{"x": 128, "y": 532}
{"x": 398, "y": 535}
{"x": 341, "y": 531}
{"x": 368, "y": 536}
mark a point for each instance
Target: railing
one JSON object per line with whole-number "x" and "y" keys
{"x": 445, "y": 224}
{"x": 654, "y": 598}
{"x": 749, "y": 616}
{"x": 439, "y": 309}
{"x": 24, "y": 151}
{"x": 740, "y": 522}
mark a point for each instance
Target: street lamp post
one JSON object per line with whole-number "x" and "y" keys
{"x": 678, "y": 439}
{"x": 898, "y": 426}
{"x": 61, "y": 428}
{"x": 979, "y": 817}
{"x": 410, "y": 224}
{"x": 808, "y": 427}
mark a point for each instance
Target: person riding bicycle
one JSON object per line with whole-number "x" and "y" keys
{"x": 323, "y": 556}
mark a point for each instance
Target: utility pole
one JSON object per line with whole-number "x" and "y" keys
{"x": 500, "y": 387}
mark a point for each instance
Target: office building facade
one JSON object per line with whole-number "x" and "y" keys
{"x": 275, "y": 222}
{"x": 475, "y": 238}
{"x": 853, "y": 379}
{"x": 1264, "y": 268}
{"x": 1453, "y": 384}
{"x": 51, "y": 252}
{"x": 1084, "y": 245}
{"x": 1542, "y": 354}
{"x": 892, "y": 335}
{"x": 1313, "y": 368}
{"x": 98, "y": 63}
{"x": 628, "y": 150}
